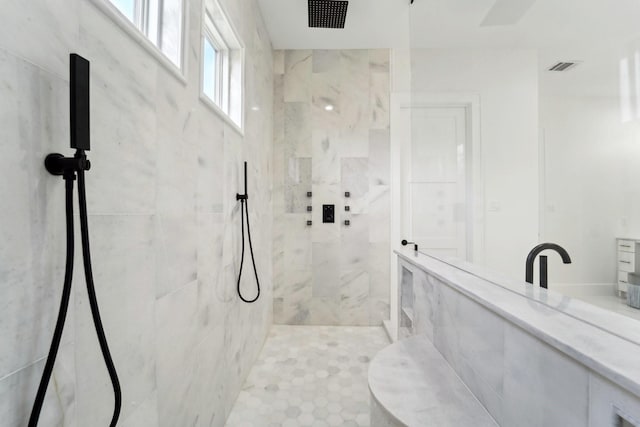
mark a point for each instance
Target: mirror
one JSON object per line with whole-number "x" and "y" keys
{"x": 525, "y": 128}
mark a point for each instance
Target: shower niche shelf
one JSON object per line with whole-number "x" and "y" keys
{"x": 406, "y": 303}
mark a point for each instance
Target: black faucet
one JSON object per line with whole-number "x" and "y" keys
{"x": 543, "y": 261}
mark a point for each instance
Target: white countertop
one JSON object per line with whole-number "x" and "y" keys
{"x": 605, "y": 342}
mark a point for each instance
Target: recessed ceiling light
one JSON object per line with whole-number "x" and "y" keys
{"x": 255, "y": 108}
{"x": 329, "y": 107}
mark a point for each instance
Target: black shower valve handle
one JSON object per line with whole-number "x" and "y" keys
{"x": 242, "y": 196}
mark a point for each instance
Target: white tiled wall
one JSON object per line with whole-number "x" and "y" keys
{"x": 331, "y": 274}
{"x": 164, "y": 222}
{"x": 520, "y": 380}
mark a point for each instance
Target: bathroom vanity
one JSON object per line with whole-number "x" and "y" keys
{"x": 627, "y": 260}
{"x": 529, "y": 356}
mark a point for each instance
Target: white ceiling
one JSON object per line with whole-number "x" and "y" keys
{"x": 455, "y": 23}
{"x": 370, "y": 24}
{"x": 598, "y": 32}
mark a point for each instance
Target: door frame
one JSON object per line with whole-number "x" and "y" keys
{"x": 474, "y": 180}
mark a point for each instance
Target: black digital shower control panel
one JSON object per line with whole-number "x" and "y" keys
{"x": 328, "y": 213}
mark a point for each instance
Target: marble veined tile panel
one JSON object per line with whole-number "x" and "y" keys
{"x": 209, "y": 384}
{"x": 558, "y": 397}
{"x": 354, "y": 298}
{"x": 278, "y": 62}
{"x": 209, "y": 194}
{"x": 355, "y": 89}
{"x": 145, "y": 415}
{"x": 297, "y": 241}
{"x": 325, "y": 100}
{"x": 297, "y": 129}
{"x": 379, "y": 157}
{"x": 124, "y": 262}
{"x": 326, "y": 160}
{"x": 297, "y": 285}
{"x": 123, "y": 117}
{"x": 325, "y": 311}
{"x": 379, "y": 213}
{"x": 297, "y": 182}
{"x": 355, "y": 176}
{"x": 326, "y": 277}
{"x": 297, "y": 64}
{"x": 18, "y": 390}
{"x": 32, "y": 228}
{"x": 380, "y": 99}
{"x": 379, "y": 268}
{"x": 472, "y": 339}
{"x": 324, "y": 61}
{"x": 211, "y": 287}
{"x": 177, "y": 336}
{"x": 46, "y": 45}
{"x": 176, "y": 249}
{"x": 354, "y": 244}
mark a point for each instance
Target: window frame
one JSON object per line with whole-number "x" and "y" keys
{"x": 138, "y": 29}
{"x": 229, "y": 56}
{"x": 222, "y": 63}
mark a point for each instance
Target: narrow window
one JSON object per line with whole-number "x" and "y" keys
{"x": 222, "y": 63}
{"x": 159, "y": 20}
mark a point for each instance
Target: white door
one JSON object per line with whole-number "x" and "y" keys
{"x": 434, "y": 189}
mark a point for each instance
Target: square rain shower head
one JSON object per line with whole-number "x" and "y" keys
{"x": 327, "y": 13}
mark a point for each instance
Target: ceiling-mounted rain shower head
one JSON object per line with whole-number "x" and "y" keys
{"x": 327, "y": 13}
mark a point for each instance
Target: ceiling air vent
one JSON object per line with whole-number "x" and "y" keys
{"x": 564, "y": 66}
{"x": 327, "y": 13}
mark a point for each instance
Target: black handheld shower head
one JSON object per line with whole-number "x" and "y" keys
{"x": 79, "y": 99}
{"x": 244, "y": 210}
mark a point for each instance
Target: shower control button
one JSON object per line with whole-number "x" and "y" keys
{"x": 309, "y": 222}
{"x": 347, "y": 194}
{"x": 328, "y": 213}
{"x": 309, "y": 208}
{"x": 309, "y": 193}
{"x": 347, "y": 208}
{"x": 347, "y": 222}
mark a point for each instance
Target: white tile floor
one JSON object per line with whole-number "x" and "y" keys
{"x": 310, "y": 376}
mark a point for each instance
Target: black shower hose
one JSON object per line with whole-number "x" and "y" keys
{"x": 64, "y": 303}
{"x": 244, "y": 208}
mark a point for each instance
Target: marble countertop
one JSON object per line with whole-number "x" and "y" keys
{"x": 416, "y": 385}
{"x": 605, "y": 342}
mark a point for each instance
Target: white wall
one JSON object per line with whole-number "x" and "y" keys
{"x": 506, "y": 81}
{"x": 592, "y": 182}
{"x": 163, "y": 219}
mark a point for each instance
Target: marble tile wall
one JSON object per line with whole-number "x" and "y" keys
{"x": 331, "y": 274}
{"x": 164, "y": 222}
{"x": 520, "y": 380}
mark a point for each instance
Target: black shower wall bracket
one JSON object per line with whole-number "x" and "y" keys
{"x": 59, "y": 165}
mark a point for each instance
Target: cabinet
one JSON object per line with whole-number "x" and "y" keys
{"x": 627, "y": 260}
